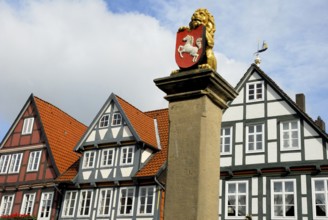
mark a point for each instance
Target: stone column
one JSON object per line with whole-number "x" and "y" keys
{"x": 196, "y": 100}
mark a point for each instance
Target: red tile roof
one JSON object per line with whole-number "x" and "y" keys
{"x": 159, "y": 159}
{"x": 70, "y": 173}
{"x": 142, "y": 123}
{"x": 62, "y": 132}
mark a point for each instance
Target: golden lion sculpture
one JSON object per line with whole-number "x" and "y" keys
{"x": 203, "y": 17}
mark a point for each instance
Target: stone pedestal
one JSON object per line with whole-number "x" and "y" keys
{"x": 196, "y": 100}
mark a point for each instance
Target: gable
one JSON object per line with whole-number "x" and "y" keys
{"x": 26, "y": 129}
{"x": 109, "y": 127}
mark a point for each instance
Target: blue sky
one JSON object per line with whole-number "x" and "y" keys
{"x": 74, "y": 53}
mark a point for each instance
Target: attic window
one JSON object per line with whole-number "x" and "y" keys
{"x": 104, "y": 121}
{"x": 117, "y": 119}
{"x": 255, "y": 91}
{"x": 27, "y": 126}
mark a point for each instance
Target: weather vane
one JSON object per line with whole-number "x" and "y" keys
{"x": 257, "y": 60}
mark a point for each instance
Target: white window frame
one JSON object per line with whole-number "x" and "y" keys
{"x": 289, "y": 132}
{"x": 129, "y": 193}
{"x": 283, "y": 193}
{"x": 15, "y": 163}
{"x": 224, "y": 142}
{"x": 85, "y": 195}
{"x": 6, "y": 207}
{"x": 256, "y": 140}
{"x": 236, "y": 195}
{"x": 103, "y": 202}
{"x": 70, "y": 202}
{"x": 324, "y": 193}
{"x": 256, "y": 93}
{"x": 4, "y": 163}
{"x": 27, "y": 205}
{"x": 45, "y": 208}
{"x": 105, "y": 157}
{"x": 34, "y": 161}
{"x": 104, "y": 121}
{"x": 143, "y": 202}
{"x": 116, "y": 121}
{"x": 28, "y": 126}
{"x": 89, "y": 159}
{"x": 125, "y": 155}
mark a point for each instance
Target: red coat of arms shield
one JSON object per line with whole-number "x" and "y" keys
{"x": 190, "y": 47}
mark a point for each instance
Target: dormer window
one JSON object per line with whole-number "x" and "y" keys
{"x": 255, "y": 91}
{"x": 117, "y": 119}
{"x": 27, "y": 126}
{"x": 104, "y": 121}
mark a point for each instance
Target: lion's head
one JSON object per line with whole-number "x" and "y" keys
{"x": 204, "y": 17}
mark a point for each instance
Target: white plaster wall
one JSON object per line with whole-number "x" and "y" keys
{"x": 255, "y": 159}
{"x": 233, "y": 113}
{"x": 309, "y": 131}
{"x": 86, "y": 174}
{"x": 271, "y": 94}
{"x": 238, "y": 154}
{"x": 255, "y": 205}
{"x": 225, "y": 161}
{"x": 303, "y": 184}
{"x": 126, "y": 132}
{"x": 115, "y": 131}
{"x": 313, "y": 149}
{"x": 279, "y": 108}
{"x": 91, "y": 137}
{"x": 264, "y": 207}
{"x": 239, "y": 132}
{"x": 108, "y": 110}
{"x": 272, "y": 152}
{"x": 272, "y": 129}
{"x": 264, "y": 180}
{"x": 126, "y": 171}
{"x": 255, "y": 76}
{"x": 292, "y": 156}
{"x": 304, "y": 206}
{"x": 145, "y": 155}
{"x": 255, "y": 186}
{"x": 102, "y": 133}
{"x": 255, "y": 111}
{"x": 240, "y": 98}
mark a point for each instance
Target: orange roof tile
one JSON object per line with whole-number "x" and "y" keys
{"x": 142, "y": 123}
{"x": 62, "y": 132}
{"x": 159, "y": 159}
{"x": 70, "y": 173}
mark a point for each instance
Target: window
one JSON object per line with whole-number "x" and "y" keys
{"x": 104, "y": 121}
{"x": 320, "y": 197}
{"x": 15, "y": 163}
{"x": 85, "y": 203}
{"x": 146, "y": 200}
{"x": 89, "y": 159}
{"x": 69, "y": 204}
{"x": 4, "y": 162}
{"x": 290, "y": 135}
{"x": 27, "y": 204}
{"x": 236, "y": 199}
{"x": 255, "y": 91}
{"x": 126, "y": 201}
{"x": 105, "y": 199}
{"x": 117, "y": 119}
{"x": 107, "y": 158}
{"x": 283, "y": 198}
{"x": 127, "y": 155}
{"x": 7, "y": 202}
{"x": 33, "y": 161}
{"x": 45, "y": 206}
{"x": 27, "y": 126}
{"x": 254, "y": 138}
{"x": 226, "y": 140}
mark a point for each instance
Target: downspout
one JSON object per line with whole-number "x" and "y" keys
{"x": 161, "y": 185}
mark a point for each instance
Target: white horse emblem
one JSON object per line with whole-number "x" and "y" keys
{"x": 189, "y": 48}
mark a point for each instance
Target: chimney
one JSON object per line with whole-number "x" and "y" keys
{"x": 321, "y": 124}
{"x": 300, "y": 101}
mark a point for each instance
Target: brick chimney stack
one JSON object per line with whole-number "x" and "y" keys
{"x": 321, "y": 124}
{"x": 300, "y": 101}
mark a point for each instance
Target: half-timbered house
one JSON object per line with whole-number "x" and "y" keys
{"x": 274, "y": 157}
{"x": 34, "y": 152}
{"x": 118, "y": 176}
